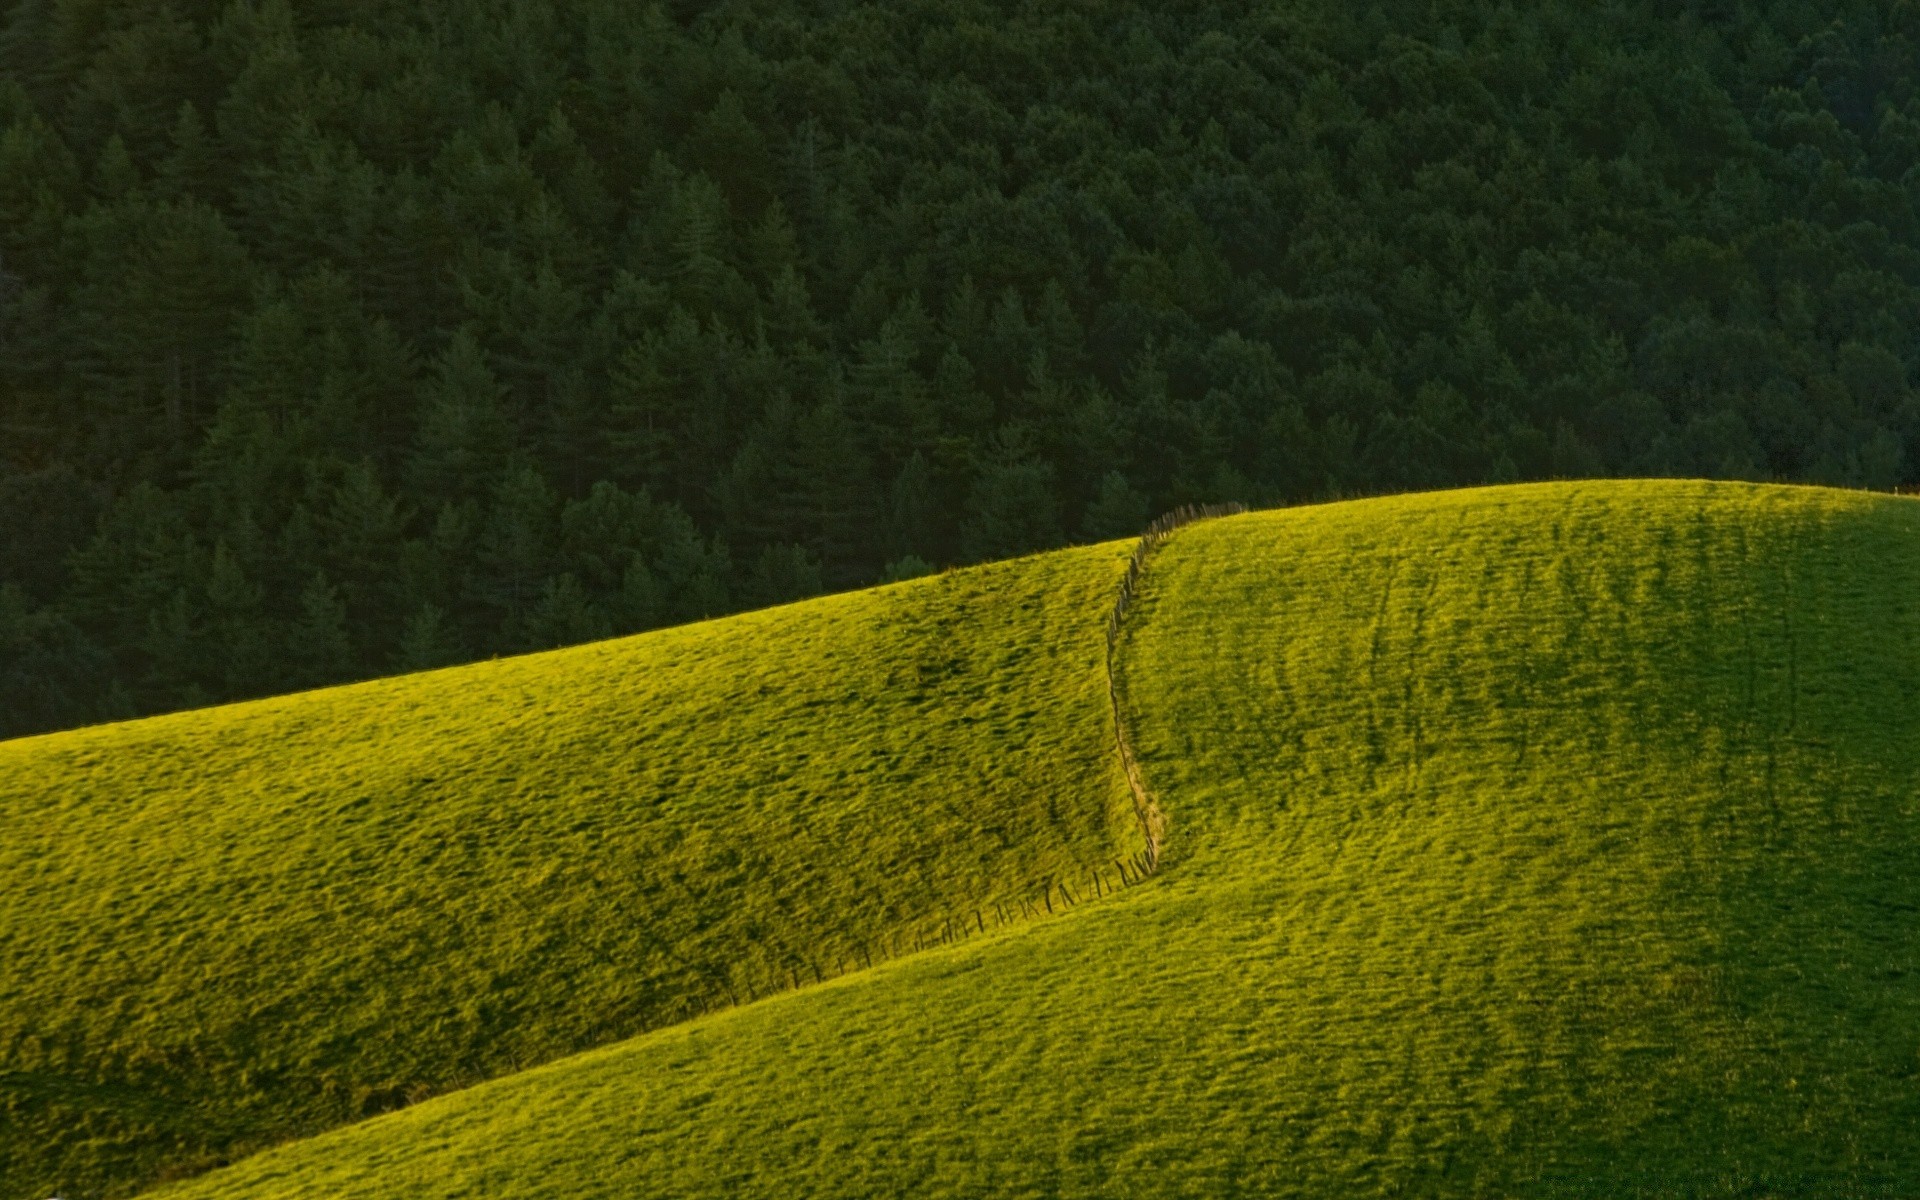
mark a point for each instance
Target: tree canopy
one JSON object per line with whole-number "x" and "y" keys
{"x": 352, "y": 336}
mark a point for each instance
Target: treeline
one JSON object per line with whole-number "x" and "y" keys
{"x": 355, "y": 336}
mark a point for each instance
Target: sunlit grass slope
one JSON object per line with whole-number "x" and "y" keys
{"x": 1545, "y": 841}
{"x": 229, "y": 927}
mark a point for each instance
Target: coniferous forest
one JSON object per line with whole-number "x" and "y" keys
{"x": 345, "y": 337}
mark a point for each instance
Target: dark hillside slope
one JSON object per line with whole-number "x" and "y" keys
{"x": 1542, "y": 841}
{"x": 230, "y": 927}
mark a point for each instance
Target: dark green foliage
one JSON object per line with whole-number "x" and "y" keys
{"x": 380, "y": 292}
{"x": 1117, "y": 510}
{"x": 49, "y": 669}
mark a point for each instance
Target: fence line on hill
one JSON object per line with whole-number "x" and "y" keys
{"x": 1153, "y": 822}
{"x": 744, "y": 982}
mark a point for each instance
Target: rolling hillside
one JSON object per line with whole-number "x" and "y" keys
{"x": 231, "y": 927}
{"x": 1555, "y": 840}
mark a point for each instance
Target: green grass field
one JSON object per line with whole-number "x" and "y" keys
{"x": 231, "y": 927}
{"x": 1558, "y": 840}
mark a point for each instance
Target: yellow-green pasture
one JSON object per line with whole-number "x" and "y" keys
{"x": 228, "y": 928}
{"x": 1556, "y": 841}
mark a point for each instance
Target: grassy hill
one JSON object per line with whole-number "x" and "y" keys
{"x": 227, "y": 928}
{"x": 1557, "y": 840}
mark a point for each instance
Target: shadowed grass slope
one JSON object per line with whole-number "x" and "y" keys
{"x": 230, "y": 927}
{"x": 1557, "y": 840}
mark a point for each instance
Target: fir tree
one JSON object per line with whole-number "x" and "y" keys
{"x": 426, "y": 642}
{"x": 1118, "y": 511}
{"x": 1010, "y": 509}
{"x": 465, "y": 437}
{"x": 319, "y": 646}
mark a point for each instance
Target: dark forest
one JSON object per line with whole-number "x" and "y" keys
{"x": 345, "y": 337}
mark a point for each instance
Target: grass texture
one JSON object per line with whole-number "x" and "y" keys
{"x": 228, "y": 928}
{"x": 1557, "y": 840}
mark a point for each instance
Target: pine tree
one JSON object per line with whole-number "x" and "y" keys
{"x": 647, "y": 397}
{"x": 41, "y": 184}
{"x": 115, "y": 177}
{"x": 242, "y": 662}
{"x": 164, "y": 285}
{"x": 564, "y": 616}
{"x": 427, "y": 641}
{"x": 532, "y": 321}
{"x": 600, "y": 534}
{"x": 513, "y": 550}
{"x": 50, "y": 672}
{"x": 1010, "y": 509}
{"x": 573, "y": 431}
{"x": 1118, "y": 511}
{"x": 45, "y": 515}
{"x": 642, "y": 601}
{"x": 911, "y": 566}
{"x": 729, "y": 147}
{"x": 780, "y": 574}
{"x": 691, "y": 577}
{"x": 570, "y": 172}
{"x": 150, "y": 57}
{"x": 913, "y": 507}
{"x": 319, "y": 647}
{"x": 174, "y": 652}
{"x": 886, "y": 392}
{"x": 191, "y": 167}
{"x": 465, "y": 437}
{"x": 361, "y": 528}
{"x": 835, "y": 491}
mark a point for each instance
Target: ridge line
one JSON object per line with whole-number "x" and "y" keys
{"x": 1153, "y": 822}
